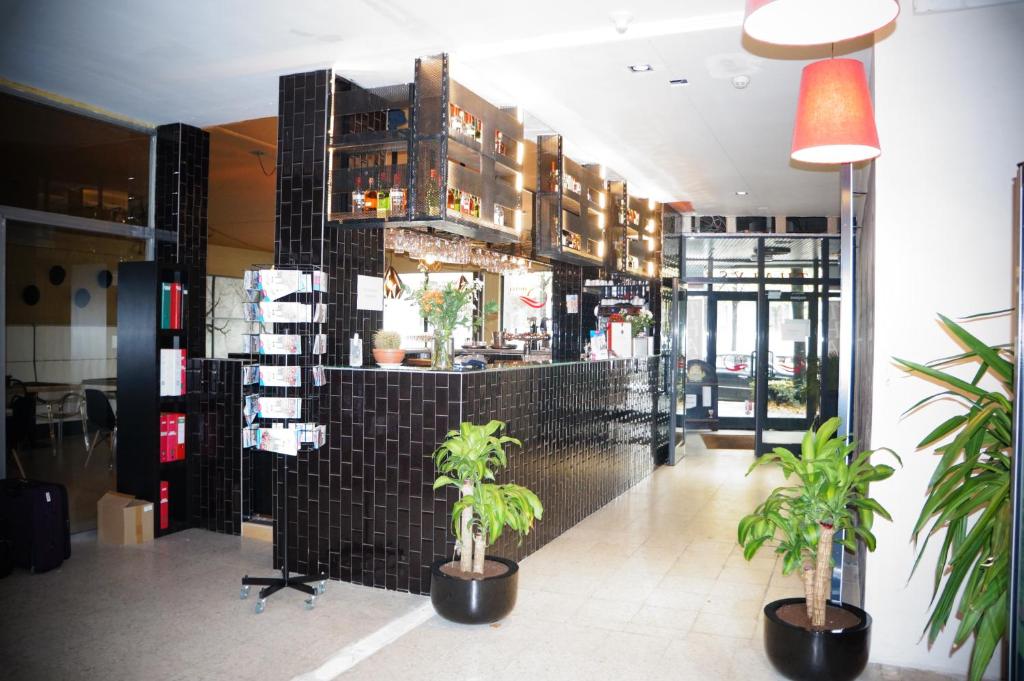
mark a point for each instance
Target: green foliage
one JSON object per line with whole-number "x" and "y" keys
{"x": 830, "y": 489}
{"x": 387, "y": 340}
{"x": 468, "y": 459}
{"x": 491, "y": 310}
{"x": 968, "y": 501}
{"x": 445, "y": 308}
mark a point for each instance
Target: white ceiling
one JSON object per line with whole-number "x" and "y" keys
{"x": 206, "y": 63}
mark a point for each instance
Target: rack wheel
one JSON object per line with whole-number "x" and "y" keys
{"x": 310, "y": 602}
{"x": 244, "y": 592}
{"x": 321, "y": 587}
{"x": 261, "y": 605}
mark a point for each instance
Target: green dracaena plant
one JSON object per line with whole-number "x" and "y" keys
{"x": 468, "y": 460}
{"x": 968, "y": 501}
{"x": 829, "y": 494}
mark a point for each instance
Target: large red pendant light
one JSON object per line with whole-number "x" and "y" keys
{"x": 816, "y": 22}
{"x": 835, "y": 122}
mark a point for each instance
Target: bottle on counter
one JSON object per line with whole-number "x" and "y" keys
{"x": 355, "y": 351}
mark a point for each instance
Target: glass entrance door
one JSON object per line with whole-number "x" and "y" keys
{"x": 793, "y": 376}
{"x": 734, "y": 351}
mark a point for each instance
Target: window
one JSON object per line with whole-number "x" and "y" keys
{"x": 63, "y": 162}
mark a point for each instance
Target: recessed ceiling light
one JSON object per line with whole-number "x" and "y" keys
{"x": 640, "y": 68}
{"x": 740, "y": 82}
{"x": 678, "y": 82}
{"x": 741, "y": 193}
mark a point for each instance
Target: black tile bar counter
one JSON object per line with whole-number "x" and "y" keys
{"x": 363, "y": 508}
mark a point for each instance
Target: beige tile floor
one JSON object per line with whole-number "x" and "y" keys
{"x": 170, "y": 610}
{"x": 651, "y": 587}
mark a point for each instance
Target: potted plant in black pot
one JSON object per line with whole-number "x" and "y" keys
{"x": 810, "y": 638}
{"x": 477, "y": 589}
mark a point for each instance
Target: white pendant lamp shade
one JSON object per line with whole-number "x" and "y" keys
{"x": 816, "y": 22}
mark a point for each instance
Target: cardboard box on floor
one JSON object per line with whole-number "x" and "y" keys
{"x": 123, "y": 519}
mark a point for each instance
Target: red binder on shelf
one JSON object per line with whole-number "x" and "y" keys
{"x": 163, "y": 438}
{"x": 165, "y": 516}
{"x": 177, "y": 452}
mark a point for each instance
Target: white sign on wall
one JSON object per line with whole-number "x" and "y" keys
{"x": 369, "y": 293}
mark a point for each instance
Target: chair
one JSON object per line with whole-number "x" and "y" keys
{"x": 20, "y": 425}
{"x": 100, "y": 416}
{"x": 57, "y": 410}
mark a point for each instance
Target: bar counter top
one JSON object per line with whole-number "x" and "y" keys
{"x": 503, "y": 366}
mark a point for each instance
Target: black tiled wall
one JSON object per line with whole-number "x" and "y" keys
{"x": 363, "y": 508}
{"x": 352, "y": 252}
{"x": 217, "y": 465}
{"x": 182, "y": 187}
{"x": 566, "y": 329}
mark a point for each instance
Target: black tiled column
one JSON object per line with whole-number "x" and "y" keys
{"x": 566, "y": 328}
{"x": 182, "y": 187}
{"x": 302, "y": 233}
{"x": 217, "y": 462}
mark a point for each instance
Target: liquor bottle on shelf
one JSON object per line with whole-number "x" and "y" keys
{"x": 453, "y": 200}
{"x": 357, "y": 196}
{"x": 553, "y": 177}
{"x": 370, "y": 198}
{"x": 397, "y": 195}
{"x": 499, "y": 143}
{"x": 466, "y": 203}
{"x": 499, "y": 215}
{"x": 433, "y": 194}
{"x": 383, "y": 197}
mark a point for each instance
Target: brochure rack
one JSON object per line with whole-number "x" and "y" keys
{"x": 286, "y": 313}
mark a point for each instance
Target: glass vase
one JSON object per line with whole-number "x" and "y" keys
{"x": 444, "y": 352}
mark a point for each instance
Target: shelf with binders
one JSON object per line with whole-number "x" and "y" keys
{"x": 152, "y": 335}
{"x": 571, "y": 207}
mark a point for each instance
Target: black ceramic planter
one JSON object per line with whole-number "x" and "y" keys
{"x": 804, "y": 655}
{"x": 474, "y": 601}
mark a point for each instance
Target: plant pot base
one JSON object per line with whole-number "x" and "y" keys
{"x": 474, "y": 601}
{"x": 828, "y": 655}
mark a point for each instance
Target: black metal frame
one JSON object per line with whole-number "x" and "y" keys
{"x": 823, "y": 291}
{"x": 1014, "y": 634}
{"x": 550, "y": 206}
{"x": 272, "y": 585}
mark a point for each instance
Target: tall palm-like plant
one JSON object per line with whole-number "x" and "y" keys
{"x": 829, "y": 495}
{"x": 468, "y": 460}
{"x": 968, "y": 501}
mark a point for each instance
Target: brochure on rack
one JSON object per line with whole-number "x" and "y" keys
{"x": 279, "y": 313}
{"x": 280, "y": 377}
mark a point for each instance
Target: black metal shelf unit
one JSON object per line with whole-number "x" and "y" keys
{"x": 468, "y": 159}
{"x": 571, "y": 207}
{"x": 139, "y": 403}
{"x": 369, "y": 149}
{"x": 635, "y": 234}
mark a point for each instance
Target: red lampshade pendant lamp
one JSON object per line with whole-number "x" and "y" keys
{"x": 815, "y": 22}
{"x": 835, "y": 122}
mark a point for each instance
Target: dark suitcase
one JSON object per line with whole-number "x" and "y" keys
{"x": 34, "y": 518}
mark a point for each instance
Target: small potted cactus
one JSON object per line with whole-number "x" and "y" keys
{"x": 387, "y": 348}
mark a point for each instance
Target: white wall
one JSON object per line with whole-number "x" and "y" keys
{"x": 949, "y": 100}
